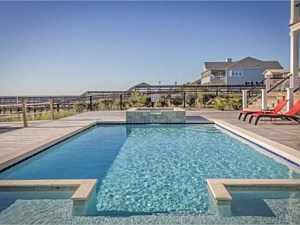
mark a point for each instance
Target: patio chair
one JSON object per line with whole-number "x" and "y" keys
{"x": 276, "y": 109}
{"x": 290, "y": 115}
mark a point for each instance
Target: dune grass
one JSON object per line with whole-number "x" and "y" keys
{"x": 44, "y": 115}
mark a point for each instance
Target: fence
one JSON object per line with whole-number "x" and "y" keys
{"x": 32, "y": 106}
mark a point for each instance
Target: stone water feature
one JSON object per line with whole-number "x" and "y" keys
{"x": 155, "y": 115}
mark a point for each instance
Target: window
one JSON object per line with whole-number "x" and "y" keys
{"x": 236, "y": 73}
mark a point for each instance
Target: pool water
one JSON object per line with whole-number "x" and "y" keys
{"x": 259, "y": 203}
{"x": 10, "y": 197}
{"x": 146, "y": 170}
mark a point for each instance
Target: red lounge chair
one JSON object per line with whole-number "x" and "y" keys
{"x": 290, "y": 115}
{"x": 276, "y": 109}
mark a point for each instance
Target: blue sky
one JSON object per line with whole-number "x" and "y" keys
{"x": 53, "y": 48}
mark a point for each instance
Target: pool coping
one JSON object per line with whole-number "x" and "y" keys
{"x": 219, "y": 187}
{"x": 125, "y": 123}
{"x": 287, "y": 153}
{"x": 83, "y": 187}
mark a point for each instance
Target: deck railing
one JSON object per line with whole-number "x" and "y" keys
{"x": 11, "y": 107}
{"x": 297, "y": 89}
{"x": 279, "y": 83}
{"x": 252, "y": 97}
{"x": 254, "y": 93}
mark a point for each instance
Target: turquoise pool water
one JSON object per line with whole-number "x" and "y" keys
{"x": 146, "y": 170}
{"x": 10, "y": 197}
{"x": 259, "y": 203}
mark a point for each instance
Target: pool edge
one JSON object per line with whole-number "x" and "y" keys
{"x": 287, "y": 153}
{"x": 83, "y": 189}
{"x": 36, "y": 150}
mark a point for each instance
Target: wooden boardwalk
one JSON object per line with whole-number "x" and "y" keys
{"x": 18, "y": 143}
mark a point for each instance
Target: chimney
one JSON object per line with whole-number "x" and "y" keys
{"x": 229, "y": 60}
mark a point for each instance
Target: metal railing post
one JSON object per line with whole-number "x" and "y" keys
{"x": 91, "y": 103}
{"x": 121, "y": 102}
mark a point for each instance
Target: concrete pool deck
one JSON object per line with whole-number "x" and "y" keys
{"x": 282, "y": 132}
{"x": 19, "y": 144}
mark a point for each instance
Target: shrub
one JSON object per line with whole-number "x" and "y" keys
{"x": 80, "y": 106}
{"x": 177, "y": 100}
{"x": 40, "y": 115}
{"x": 148, "y": 102}
{"x": 235, "y": 103}
{"x": 163, "y": 102}
{"x": 220, "y": 103}
{"x": 107, "y": 104}
{"x": 126, "y": 105}
{"x": 229, "y": 103}
{"x": 205, "y": 98}
{"x": 138, "y": 99}
{"x": 191, "y": 99}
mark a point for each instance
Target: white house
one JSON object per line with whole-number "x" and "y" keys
{"x": 245, "y": 71}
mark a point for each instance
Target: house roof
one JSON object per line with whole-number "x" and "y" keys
{"x": 275, "y": 71}
{"x": 250, "y": 62}
{"x": 216, "y": 65}
{"x": 143, "y": 84}
{"x": 247, "y": 62}
{"x": 197, "y": 81}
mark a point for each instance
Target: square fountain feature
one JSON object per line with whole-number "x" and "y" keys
{"x": 155, "y": 115}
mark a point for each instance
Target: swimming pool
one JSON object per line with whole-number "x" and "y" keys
{"x": 146, "y": 170}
